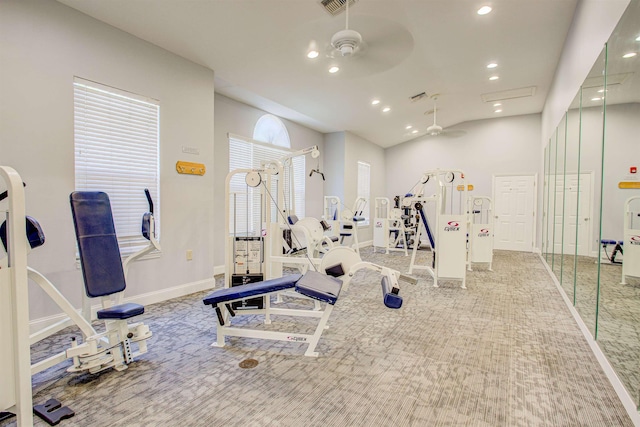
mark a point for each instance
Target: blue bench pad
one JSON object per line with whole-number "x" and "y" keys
{"x": 122, "y": 311}
{"x": 252, "y": 289}
{"x": 319, "y": 286}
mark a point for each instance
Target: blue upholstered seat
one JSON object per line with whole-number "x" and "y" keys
{"x": 252, "y": 289}
{"x": 122, "y": 311}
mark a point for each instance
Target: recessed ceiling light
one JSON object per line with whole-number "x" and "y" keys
{"x": 494, "y": 78}
{"x": 601, "y": 91}
{"x": 638, "y": 39}
{"x": 334, "y": 69}
{"x": 375, "y": 102}
{"x": 312, "y": 54}
{"x": 492, "y": 65}
{"x": 595, "y": 99}
{"x": 484, "y": 10}
{"x": 408, "y": 127}
{"x": 497, "y": 104}
{"x": 414, "y": 131}
{"x": 629, "y": 55}
{"x": 386, "y": 109}
{"x": 498, "y": 111}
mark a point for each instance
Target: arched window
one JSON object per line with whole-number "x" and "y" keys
{"x": 270, "y": 141}
{"x": 270, "y": 128}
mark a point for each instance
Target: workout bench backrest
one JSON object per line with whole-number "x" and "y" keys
{"x": 97, "y": 243}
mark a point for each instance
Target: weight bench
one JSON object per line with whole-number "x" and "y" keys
{"x": 104, "y": 278}
{"x": 312, "y": 285}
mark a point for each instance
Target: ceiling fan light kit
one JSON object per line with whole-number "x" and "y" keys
{"x": 346, "y": 41}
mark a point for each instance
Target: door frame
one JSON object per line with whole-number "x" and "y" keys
{"x": 534, "y": 218}
{"x": 589, "y": 249}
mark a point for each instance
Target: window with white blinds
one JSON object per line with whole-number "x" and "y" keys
{"x": 245, "y": 201}
{"x": 364, "y": 189}
{"x": 116, "y": 136}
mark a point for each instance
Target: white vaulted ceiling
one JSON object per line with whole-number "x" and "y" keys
{"x": 257, "y": 49}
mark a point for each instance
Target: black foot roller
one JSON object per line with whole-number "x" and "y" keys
{"x": 53, "y": 412}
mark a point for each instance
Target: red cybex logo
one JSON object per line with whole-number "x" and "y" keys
{"x": 452, "y": 226}
{"x": 634, "y": 240}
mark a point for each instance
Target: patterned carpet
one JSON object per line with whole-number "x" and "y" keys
{"x": 504, "y": 352}
{"x": 618, "y": 313}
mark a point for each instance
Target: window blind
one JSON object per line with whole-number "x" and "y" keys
{"x": 116, "y": 136}
{"x": 364, "y": 188}
{"x": 245, "y": 153}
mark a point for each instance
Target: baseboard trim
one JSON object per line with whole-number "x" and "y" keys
{"x": 144, "y": 299}
{"x": 218, "y": 269}
{"x": 623, "y": 395}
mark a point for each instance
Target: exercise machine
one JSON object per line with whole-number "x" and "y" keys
{"x": 389, "y": 232}
{"x": 480, "y": 231}
{"x": 613, "y": 256}
{"x": 15, "y": 353}
{"x": 337, "y": 269}
{"x": 311, "y": 286}
{"x": 450, "y": 230}
{"x": 343, "y": 221}
{"x": 331, "y": 216}
{"x": 343, "y": 262}
{"x": 256, "y": 247}
{"x": 103, "y": 275}
{"x": 631, "y": 263}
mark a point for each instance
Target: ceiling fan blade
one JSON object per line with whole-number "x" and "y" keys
{"x": 453, "y": 133}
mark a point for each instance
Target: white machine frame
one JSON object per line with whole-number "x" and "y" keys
{"x": 450, "y": 231}
{"x": 341, "y": 219}
{"x": 15, "y": 353}
{"x": 388, "y": 221}
{"x": 97, "y": 351}
{"x": 631, "y": 261}
{"x": 227, "y": 330}
{"x": 273, "y": 219}
{"x": 332, "y": 212}
{"x": 481, "y": 231}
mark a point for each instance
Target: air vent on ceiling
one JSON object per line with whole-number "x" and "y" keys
{"x": 418, "y": 97}
{"x": 509, "y": 94}
{"x": 612, "y": 79}
{"x": 335, "y": 7}
{"x": 502, "y": 95}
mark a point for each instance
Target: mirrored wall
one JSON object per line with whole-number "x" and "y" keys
{"x": 591, "y": 201}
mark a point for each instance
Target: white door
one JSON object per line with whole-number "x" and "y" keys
{"x": 514, "y": 207}
{"x": 581, "y": 222}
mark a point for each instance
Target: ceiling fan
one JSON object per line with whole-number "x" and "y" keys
{"x": 347, "y": 42}
{"x": 378, "y": 44}
{"x": 435, "y": 129}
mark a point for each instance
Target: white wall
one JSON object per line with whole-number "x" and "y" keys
{"x": 44, "y": 45}
{"x": 240, "y": 119}
{"x": 593, "y": 23}
{"x": 506, "y": 145}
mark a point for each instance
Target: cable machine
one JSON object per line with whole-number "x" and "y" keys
{"x": 631, "y": 262}
{"x": 480, "y": 231}
{"x": 450, "y": 226}
{"x": 389, "y": 231}
{"x": 254, "y": 247}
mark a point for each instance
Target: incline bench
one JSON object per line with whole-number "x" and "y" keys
{"x": 312, "y": 285}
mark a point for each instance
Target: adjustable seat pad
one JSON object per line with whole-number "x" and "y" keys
{"x": 319, "y": 286}
{"x": 252, "y": 289}
{"x": 122, "y": 311}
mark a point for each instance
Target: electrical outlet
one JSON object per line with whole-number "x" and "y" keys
{"x": 189, "y": 254}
